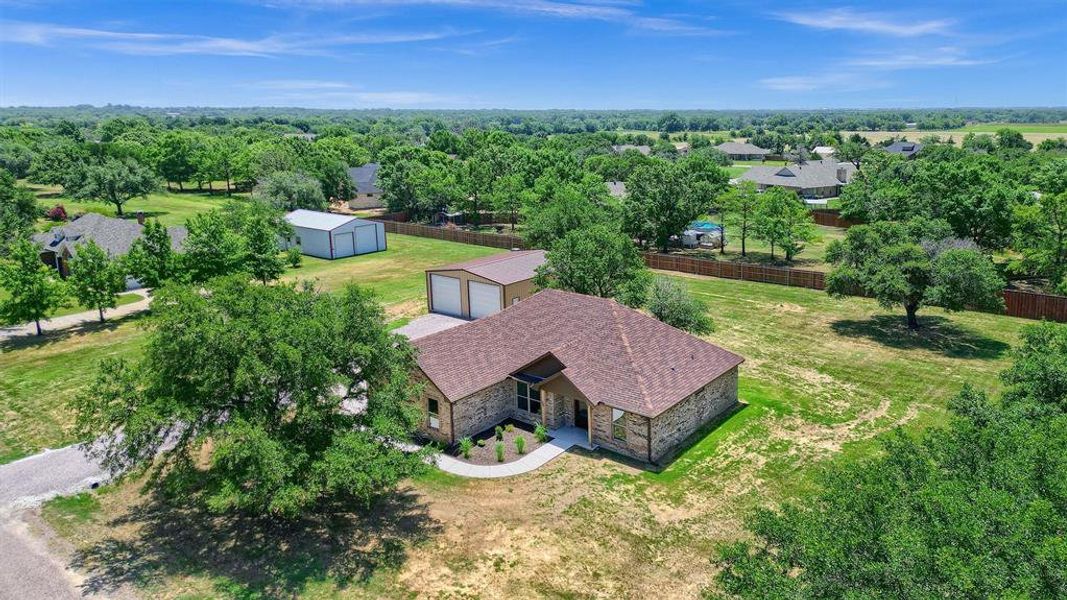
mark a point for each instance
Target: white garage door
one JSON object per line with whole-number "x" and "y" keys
{"x": 444, "y": 293}
{"x": 343, "y": 245}
{"x": 366, "y": 239}
{"x": 484, "y": 298}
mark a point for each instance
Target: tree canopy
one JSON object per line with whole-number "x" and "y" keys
{"x": 975, "y": 509}
{"x": 248, "y": 382}
{"x": 598, "y": 261}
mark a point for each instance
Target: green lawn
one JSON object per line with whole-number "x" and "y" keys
{"x": 170, "y": 209}
{"x": 813, "y": 256}
{"x": 38, "y": 375}
{"x": 823, "y": 378}
{"x": 1020, "y": 127}
{"x": 70, "y": 309}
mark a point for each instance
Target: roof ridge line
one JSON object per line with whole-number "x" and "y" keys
{"x": 630, "y": 353}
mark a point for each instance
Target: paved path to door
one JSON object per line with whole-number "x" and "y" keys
{"x": 562, "y": 440}
{"x": 76, "y": 319}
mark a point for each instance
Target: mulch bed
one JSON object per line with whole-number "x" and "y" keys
{"x": 486, "y": 455}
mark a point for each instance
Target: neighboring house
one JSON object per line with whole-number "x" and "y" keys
{"x": 638, "y": 386}
{"x": 907, "y": 149}
{"x": 742, "y": 151}
{"x": 823, "y": 151}
{"x": 812, "y": 179}
{"x": 683, "y": 148}
{"x": 310, "y": 137}
{"x": 114, "y": 236}
{"x": 330, "y": 235}
{"x": 619, "y": 149}
{"x": 483, "y": 286}
{"x": 617, "y": 188}
{"x": 365, "y": 180}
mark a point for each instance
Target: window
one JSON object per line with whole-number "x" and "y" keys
{"x": 432, "y": 409}
{"x": 515, "y": 300}
{"x": 298, "y": 240}
{"x": 618, "y": 424}
{"x": 527, "y": 398}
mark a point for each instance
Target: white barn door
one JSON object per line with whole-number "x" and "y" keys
{"x": 484, "y": 299}
{"x": 444, "y": 295}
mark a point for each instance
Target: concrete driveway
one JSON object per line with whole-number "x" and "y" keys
{"x": 428, "y": 324}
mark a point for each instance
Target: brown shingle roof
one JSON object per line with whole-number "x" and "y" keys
{"x": 612, "y": 354}
{"x": 504, "y": 269}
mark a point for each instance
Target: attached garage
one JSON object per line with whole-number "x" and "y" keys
{"x": 485, "y": 298}
{"x": 445, "y": 295}
{"x": 330, "y": 235}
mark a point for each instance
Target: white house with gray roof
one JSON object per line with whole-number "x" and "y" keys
{"x": 330, "y": 235}
{"x": 742, "y": 151}
{"x": 114, "y": 236}
{"x": 811, "y": 179}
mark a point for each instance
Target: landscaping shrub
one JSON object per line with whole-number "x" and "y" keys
{"x": 481, "y": 443}
{"x": 294, "y": 257}
{"x": 520, "y": 445}
{"x": 465, "y": 446}
{"x": 499, "y": 432}
{"x": 541, "y": 433}
{"x": 509, "y": 427}
{"x": 56, "y": 213}
{"x": 499, "y": 451}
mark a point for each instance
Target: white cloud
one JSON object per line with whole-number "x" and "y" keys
{"x": 621, "y": 11}
{"x": 847, "y": 19}
{"x": 823, "y": 82}
{"x": 46, "y": 34}
{"x": 946, "y": 56}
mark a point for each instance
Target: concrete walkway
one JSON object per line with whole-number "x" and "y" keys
{"x": 76, "y": 319}
{"x": 562, "y": 440}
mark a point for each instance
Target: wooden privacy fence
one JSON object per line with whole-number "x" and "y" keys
{"x": 733, "y": 270}
{"x": 1031, "y": 305}
{"x": 1026, "y": 305}
{"x": 493, "y": 240}
{"x": 831, "y": 217}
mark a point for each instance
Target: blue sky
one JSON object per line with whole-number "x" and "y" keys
{"x": 533, "y": 54}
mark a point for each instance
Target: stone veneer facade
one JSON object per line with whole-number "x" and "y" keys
{"x": 682, "y": 420}
{"x": 488, "y": 407}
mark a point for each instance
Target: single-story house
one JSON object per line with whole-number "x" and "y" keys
{"x": 906, "y": 149}
{"x": 114, "y": 236}
{"x": 742, "y": 151}
{"x": 638, "y": 386}
{"x": 811, "y": 179}
{"x": 330, "y": 235}
{"x": 365, "y": 180}
{"x": 683, "y": 148}
{"x": 617, "y": 188}
{"x": 620, "y": 148}
{"x": 483, "y": 286}
{"x": 824, "y": 151}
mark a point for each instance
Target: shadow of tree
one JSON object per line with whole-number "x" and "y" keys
{"x": 52, "y": 336}
{"x": 935, "y": 333}
{"x": 259, "y": 556}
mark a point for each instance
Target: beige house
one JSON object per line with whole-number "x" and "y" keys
{"x": 484, "y": 286}
{"x": 365, "y": 186}
{"x": 637, "y": 386}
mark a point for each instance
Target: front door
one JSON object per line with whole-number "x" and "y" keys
{"x": 581, "y": 414}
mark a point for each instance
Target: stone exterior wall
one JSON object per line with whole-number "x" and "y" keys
{"x": 553, "y": 406}
{"x": 683, "y": 419}
{"x": 443, "y": 433}
{"x": 484, "y": 409}
{"x": 636, "y": 443}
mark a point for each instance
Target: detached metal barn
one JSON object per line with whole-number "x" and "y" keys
{"x": 329, "y": 235}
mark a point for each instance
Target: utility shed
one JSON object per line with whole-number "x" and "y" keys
{"x": 329, "y": 235}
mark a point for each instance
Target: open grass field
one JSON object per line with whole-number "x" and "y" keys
{"x": 1060, "y": 128}
{"x": 1034, "y": 137}
{"x": 169, "y": 208}
{"x": 822, "y": 379}
{"x": 813, "y": 256}
{"x": 37, "y": 376}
